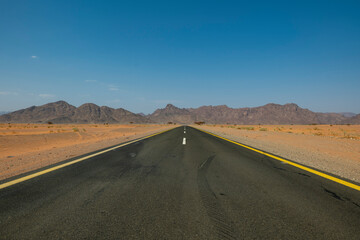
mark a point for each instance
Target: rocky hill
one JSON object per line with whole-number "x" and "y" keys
{"x": 352, "y": 120}
{"x": 172, "y": 114}
{"x": 62, "y": 112}
{"x": 348, "y": 114}
{"x": 267, "y": 114}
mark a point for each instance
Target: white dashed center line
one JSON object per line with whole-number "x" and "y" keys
{"x": 184, "y": 141}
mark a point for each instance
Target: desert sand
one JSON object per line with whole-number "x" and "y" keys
{"x": 332, "y": 148}
{"x": 27, "y": 147}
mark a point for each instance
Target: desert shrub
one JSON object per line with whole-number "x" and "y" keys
{"x": 263, "y": 129}
{"x": 50, "y": 122}
{"x": 246, "y": 128}
{"x": 75, "y": 129}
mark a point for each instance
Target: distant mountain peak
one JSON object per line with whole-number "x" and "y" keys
{"x": 170, "y": 106}
{"x": 89, "y": 105}
{"x": 291, "y": 104}
{"x": 61, "y": 102}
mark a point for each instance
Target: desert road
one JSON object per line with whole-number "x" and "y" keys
{"x": 181, "y": 184}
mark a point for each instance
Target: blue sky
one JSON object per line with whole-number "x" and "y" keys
{"x": 141, "y": 55}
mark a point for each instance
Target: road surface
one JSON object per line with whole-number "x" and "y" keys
{"x": 181, "y": 184}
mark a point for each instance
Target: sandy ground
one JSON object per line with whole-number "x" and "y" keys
{"x": 26, "y": 147}
{"x": 331, "y": 148}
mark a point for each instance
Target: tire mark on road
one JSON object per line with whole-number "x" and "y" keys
{"x": 214, "y": 210}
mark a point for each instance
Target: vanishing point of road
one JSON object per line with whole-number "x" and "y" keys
{"x": 180, "y": 184}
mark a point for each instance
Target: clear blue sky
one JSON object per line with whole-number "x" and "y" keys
{"x": 141, "y": 55}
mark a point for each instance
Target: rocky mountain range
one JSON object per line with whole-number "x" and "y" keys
{"x": 3, "y": 112}
{"x": 348, "y": 114}
{"x": 62, "y": 112}
{"x": 352, "y": 120}
{"x": 267, "y": 114}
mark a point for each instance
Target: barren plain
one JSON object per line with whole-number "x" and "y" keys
{"x": 27, "y": 147}
{"x": 331, "y": 148}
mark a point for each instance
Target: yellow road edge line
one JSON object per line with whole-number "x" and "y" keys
{"x": 324, "y": 175}
{"x": 22, "y": 179}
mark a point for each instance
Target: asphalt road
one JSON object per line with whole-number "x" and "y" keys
{"x": 161, "y": 188}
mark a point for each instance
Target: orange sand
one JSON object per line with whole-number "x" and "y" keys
{"x": 332, "y": 148}
{"x": 26, "y": 147}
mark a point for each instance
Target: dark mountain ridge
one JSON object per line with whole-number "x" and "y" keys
{"x": 268, "y": 114}
{"x": 62, "y": 112}
{"x": 352, "y": 120}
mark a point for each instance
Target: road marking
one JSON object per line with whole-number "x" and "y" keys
{"x": 184, "y": 131}
{"x": 324, "y": 175}
{"x": 184, "y": 141}
{"x": 22, "y": 179}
